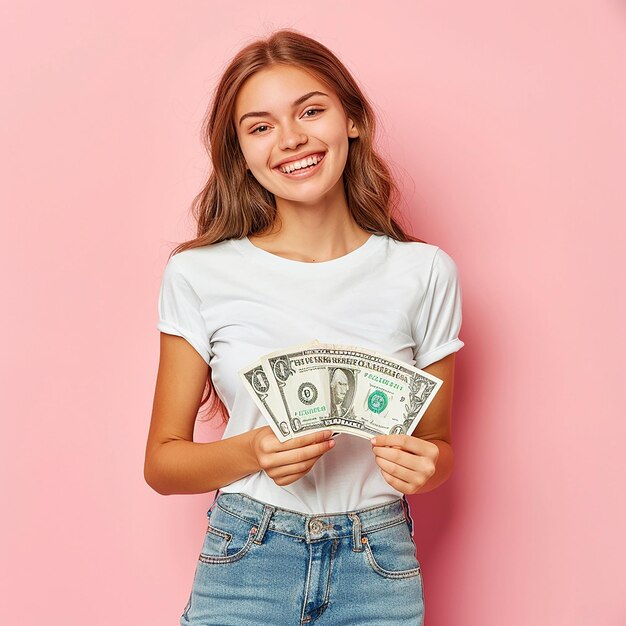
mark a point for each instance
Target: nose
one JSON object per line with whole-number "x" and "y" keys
{"x": 291, "y": 137}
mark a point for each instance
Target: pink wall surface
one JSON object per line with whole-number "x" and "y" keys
{"x": 505, "y": 122}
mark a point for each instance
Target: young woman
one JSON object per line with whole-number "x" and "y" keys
{"x": 312, "y": 530}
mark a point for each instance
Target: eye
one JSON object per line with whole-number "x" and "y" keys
{"x": 309, "y": 110}
{"x": 257, "y": 128}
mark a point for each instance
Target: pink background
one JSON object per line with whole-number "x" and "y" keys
{"x": 505, "y": 120}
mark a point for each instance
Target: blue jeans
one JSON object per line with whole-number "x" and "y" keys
{"x": 261, "y": 565}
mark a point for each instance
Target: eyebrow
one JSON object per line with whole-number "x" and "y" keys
{"x": 300, "y": 100}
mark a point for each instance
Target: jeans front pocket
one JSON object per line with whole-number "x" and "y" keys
{"x": 390, "y": 551}
{"x": 228, "y": 538}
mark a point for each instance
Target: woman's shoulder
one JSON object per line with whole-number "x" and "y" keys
{"x": 425, "y": 258}
{"x": 413, "y": 250}
{"x": 197, "y": 258}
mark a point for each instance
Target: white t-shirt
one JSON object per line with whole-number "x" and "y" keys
{"x": 233, "y": 302}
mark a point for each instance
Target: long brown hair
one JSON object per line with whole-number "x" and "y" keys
{"x": 232, "y": 204}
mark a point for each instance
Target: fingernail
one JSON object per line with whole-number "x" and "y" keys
{"x": 373, "y": 440}
{"x": 331, "y": 443}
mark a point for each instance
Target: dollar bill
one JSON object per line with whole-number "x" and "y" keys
{"x": 257, "y": 381}
{"x": 302, "y": 383}
{"x": 269, "y": 384}
{"x": 372, "y": 393}
{"x": 348, "y": 389}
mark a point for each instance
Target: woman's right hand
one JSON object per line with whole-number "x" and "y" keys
{"x": 287, "y": 461}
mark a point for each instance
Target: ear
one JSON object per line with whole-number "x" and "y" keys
{"x": 353, "y": 131}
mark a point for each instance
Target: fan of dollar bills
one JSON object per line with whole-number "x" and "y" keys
{"x": 348, "y": 389}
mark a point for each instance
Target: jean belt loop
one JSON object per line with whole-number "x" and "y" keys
{"x": 357, "y": 540}
{"x": 268, "y": 511}
{"x": 208, "y": 513}
{"x": 407, "y": 513}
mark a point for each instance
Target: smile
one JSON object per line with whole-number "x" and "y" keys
{"x": 303, "y": 172}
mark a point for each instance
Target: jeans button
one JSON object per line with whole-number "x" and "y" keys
{"x": 315, "y": 525}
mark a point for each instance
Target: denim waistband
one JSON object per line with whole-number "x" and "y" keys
{"x": 313, "y": 527}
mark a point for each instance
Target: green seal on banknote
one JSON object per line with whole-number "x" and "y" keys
{"x": 377, "y": 401}
{"x": 307, "y": 393}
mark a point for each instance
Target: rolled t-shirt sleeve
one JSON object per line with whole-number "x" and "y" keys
{"x": 179, "y": 308}
{"x": 436, "y": 329}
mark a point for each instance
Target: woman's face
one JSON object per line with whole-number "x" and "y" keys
{"x": 285, "y": 131}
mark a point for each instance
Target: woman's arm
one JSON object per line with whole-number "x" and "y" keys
{"x": 175, "y": 464}
{"x": 187, "y": 467}
{"x": 435, "y": 425}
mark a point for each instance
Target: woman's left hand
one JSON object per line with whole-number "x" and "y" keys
{"x": 406, "y": 462}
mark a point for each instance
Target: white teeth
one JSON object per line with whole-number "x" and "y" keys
{"x": 301, "y": 164}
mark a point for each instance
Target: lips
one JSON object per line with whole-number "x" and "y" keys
{"x": 319, "y": 153}
{"x": 303, "y": 172}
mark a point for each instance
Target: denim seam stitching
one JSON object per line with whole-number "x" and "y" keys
{"x": 356, "y": 532}
{"x": 268, "y": 511}
{"x": 407, "y": 573}
{"x": 330, "y": 570}
{"x": 383, "y": 526}
{"x": 306, "y": 592}
{"x": 220, "y": 533}
{"x": 370, "y": 529}
{"x": 369, "y": 508}
{"x": 216, "y": 560}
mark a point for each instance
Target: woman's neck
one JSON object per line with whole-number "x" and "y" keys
{"x": 311, "y": 233}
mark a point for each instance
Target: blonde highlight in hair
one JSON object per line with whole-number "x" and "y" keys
{"x": 233, "y": 204}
